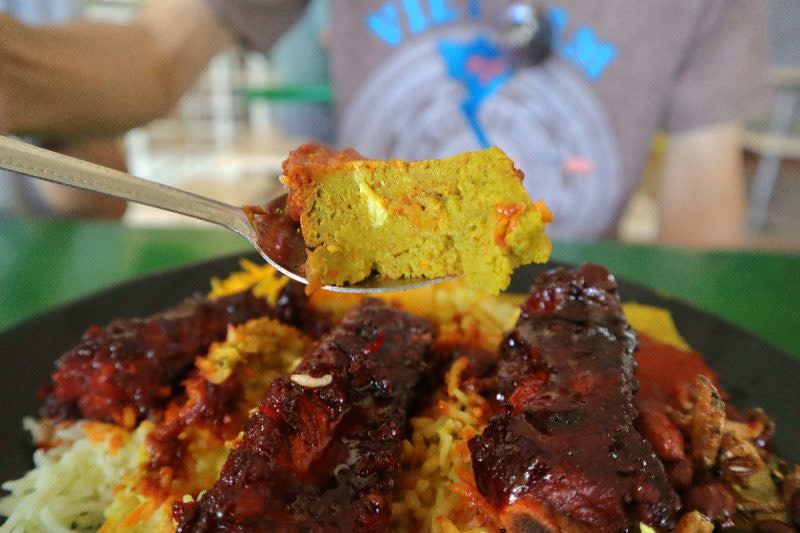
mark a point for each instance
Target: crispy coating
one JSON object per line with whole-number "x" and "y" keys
{"x": 565, "y": 455}
{"x": 324, "y": 457}
{"x": 128, "y": 370}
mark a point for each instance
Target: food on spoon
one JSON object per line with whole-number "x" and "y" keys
{"x": 322, "y": 450}
{"x": 464, "y": 215}
{"x": 566, "y": 374}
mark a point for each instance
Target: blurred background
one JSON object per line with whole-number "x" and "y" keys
{"x": 228, "y": 135}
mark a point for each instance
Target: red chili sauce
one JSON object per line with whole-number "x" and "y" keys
{"x": 665, "y": 372}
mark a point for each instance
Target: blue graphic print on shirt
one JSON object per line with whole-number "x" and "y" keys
{"x": 480, "y": 65}
{"x": 585, "y": 49}
{"x": 482, "y": 69}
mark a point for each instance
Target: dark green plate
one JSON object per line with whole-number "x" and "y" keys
{"x": 754, "y": 372}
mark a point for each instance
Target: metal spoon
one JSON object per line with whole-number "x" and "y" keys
{"x": 51, "y": 166}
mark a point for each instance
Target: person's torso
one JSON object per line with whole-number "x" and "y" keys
{"x": 416, "y": 79}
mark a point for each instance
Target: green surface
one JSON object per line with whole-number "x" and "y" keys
{"x": 309, "y": 94}
{"x": 43, "y": 263}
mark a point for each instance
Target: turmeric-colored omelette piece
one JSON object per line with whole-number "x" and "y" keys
{"x": 466, "y": 215}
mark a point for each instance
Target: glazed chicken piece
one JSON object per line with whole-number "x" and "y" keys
{"x": 566, "y": 456}
{"x": 123, "y": 372}
{"x": 323, "y": 449}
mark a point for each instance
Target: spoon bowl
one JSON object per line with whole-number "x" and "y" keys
{"x": 279, "y": 241}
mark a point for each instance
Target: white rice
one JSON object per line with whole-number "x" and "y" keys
{"x": 71, "y": 483}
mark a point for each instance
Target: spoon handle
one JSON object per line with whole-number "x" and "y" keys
{"x": 51, "y": 166}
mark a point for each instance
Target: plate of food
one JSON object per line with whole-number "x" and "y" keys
{"x": 571, "y": 402}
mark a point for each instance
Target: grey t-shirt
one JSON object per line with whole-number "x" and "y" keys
{"x": 416, "y": 79}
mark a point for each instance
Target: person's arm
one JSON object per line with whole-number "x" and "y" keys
{"x": 87, "y": 79}
{"x": 66, "y": 201}
{"x": 702, "y": 195}
{"x": 722, "y": 75}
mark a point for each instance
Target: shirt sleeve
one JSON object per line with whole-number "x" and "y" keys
{"x": 257, "y": 23}
{"x": 723, "y": 75}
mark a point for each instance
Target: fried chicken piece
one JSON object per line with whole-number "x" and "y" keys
{"x": 566, "y": 456}
{"x": 128, "y": 369}
{"x": 322, "y": 451}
